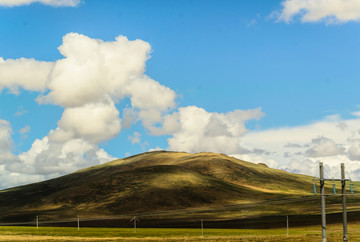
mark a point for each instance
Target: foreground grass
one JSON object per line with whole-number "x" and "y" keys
{"x": 334, "y": 233}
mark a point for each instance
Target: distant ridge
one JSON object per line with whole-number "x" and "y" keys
{"x": 162, "y": 182}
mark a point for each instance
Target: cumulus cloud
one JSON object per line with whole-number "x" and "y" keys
{"x": 88, "y": 81}
{"x": 94, "y": 77}
{"x": 299, "y": 149}
{"x": 24, "y": 73}
{"x": 55, "y": 3}
{"x": 6, "y": 142}
{"x": 324, "y": 147}
{"x": 8, "y": 178}
{"x": 330, "y": 11}
{"x": 91, "y": 79}
{"x": 45, "y": 159}
{"x": 354, "y": 150}
{"x": 95, "y": 122}
{"x": 56, "y": 158}
{"x": 197, "y": 130}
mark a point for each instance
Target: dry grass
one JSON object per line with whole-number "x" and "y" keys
{"x": 311, "y": 233}
{"x": 153, "y": 182}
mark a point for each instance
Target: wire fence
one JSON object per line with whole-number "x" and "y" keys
{"x": 180, "y": 213}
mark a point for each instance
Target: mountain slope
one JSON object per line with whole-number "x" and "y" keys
{"x": 157, "y": 182}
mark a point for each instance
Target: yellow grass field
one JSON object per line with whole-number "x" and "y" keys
{"x": 313, "y": 233}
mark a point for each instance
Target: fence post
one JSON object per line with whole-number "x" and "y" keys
{"x": 287, "y": 225}
{"x": 202, "y": 228}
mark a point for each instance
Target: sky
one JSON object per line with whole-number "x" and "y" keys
{"x": 83, "y": 82}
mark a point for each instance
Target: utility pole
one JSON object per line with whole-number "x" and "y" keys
{"x": 37, "y": 222}
{"x": 322, "y": 195}
{"x": 343, "y": 193}
{"x": 78, "y": 222}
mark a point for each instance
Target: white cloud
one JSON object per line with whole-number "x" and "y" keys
{"x": 24, "y": 73}
{"x": 93, "y": 68}
{"x": 354, "y": 150}
{"x": 330, "y": 11}
{"x": 198, "y": 130}
{"x": 52, "y": 159}
{"x": 299, "y": 149}
{"x": 323, "y": 147}
{"x": 25, "y": 130}
{"x": 55, "y": 3}
{"x": 94, "y": 122}
{"x": 7, "y": 178}
{"x": 92, "y": 77}
{"x": 135, "y": 138}
{"x": 130, "y": 116}
{"x": 6, "y": 143}
{"x": 10, "y": 179}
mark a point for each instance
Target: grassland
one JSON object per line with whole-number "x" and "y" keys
{"x": 174, "y": 187}
{"x": 310, "y": 233}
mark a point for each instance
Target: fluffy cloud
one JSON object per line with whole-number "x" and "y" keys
{"x": 299, "y": 149}
{"x": 324, "y": 147}
{"x": 45, "y": 159}
{"x": 93, "y": 68}
{"x": 56, "y": 3}
{"x": 94, "y": 122}
{"x": 330, "y": 11}
{"x": 88, "y": 82}
{"x": 8, "y": 178}
{"x": 94, "y": 77}
{"x": 24, "y": 73}
{"x": 197, "y": 130}
{"x": 53, "y": 159}
{"x": 354, "y": 150}
{"x": 6, "y": 142}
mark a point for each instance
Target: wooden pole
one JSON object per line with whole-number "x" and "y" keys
{"x": 343, "y": 192}
{"x": 322, "y": 194}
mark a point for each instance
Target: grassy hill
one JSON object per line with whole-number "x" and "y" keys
{"x": 168, "y": 185}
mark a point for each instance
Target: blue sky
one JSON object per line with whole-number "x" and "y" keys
{"x": 264, "y": 81}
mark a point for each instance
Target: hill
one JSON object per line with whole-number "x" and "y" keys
{"x": 166, "y": 185}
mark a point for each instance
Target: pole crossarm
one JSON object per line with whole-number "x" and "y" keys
{"x": 318, "y": 179}
{"x": 339, "y": 195}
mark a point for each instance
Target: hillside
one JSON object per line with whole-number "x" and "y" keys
{"x": 165, "y": 184}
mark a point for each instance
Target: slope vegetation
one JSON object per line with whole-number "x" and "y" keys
{"x": 161, "y": 182}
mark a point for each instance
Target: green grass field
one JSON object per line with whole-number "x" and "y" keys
{"x": 312, "y": 233}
